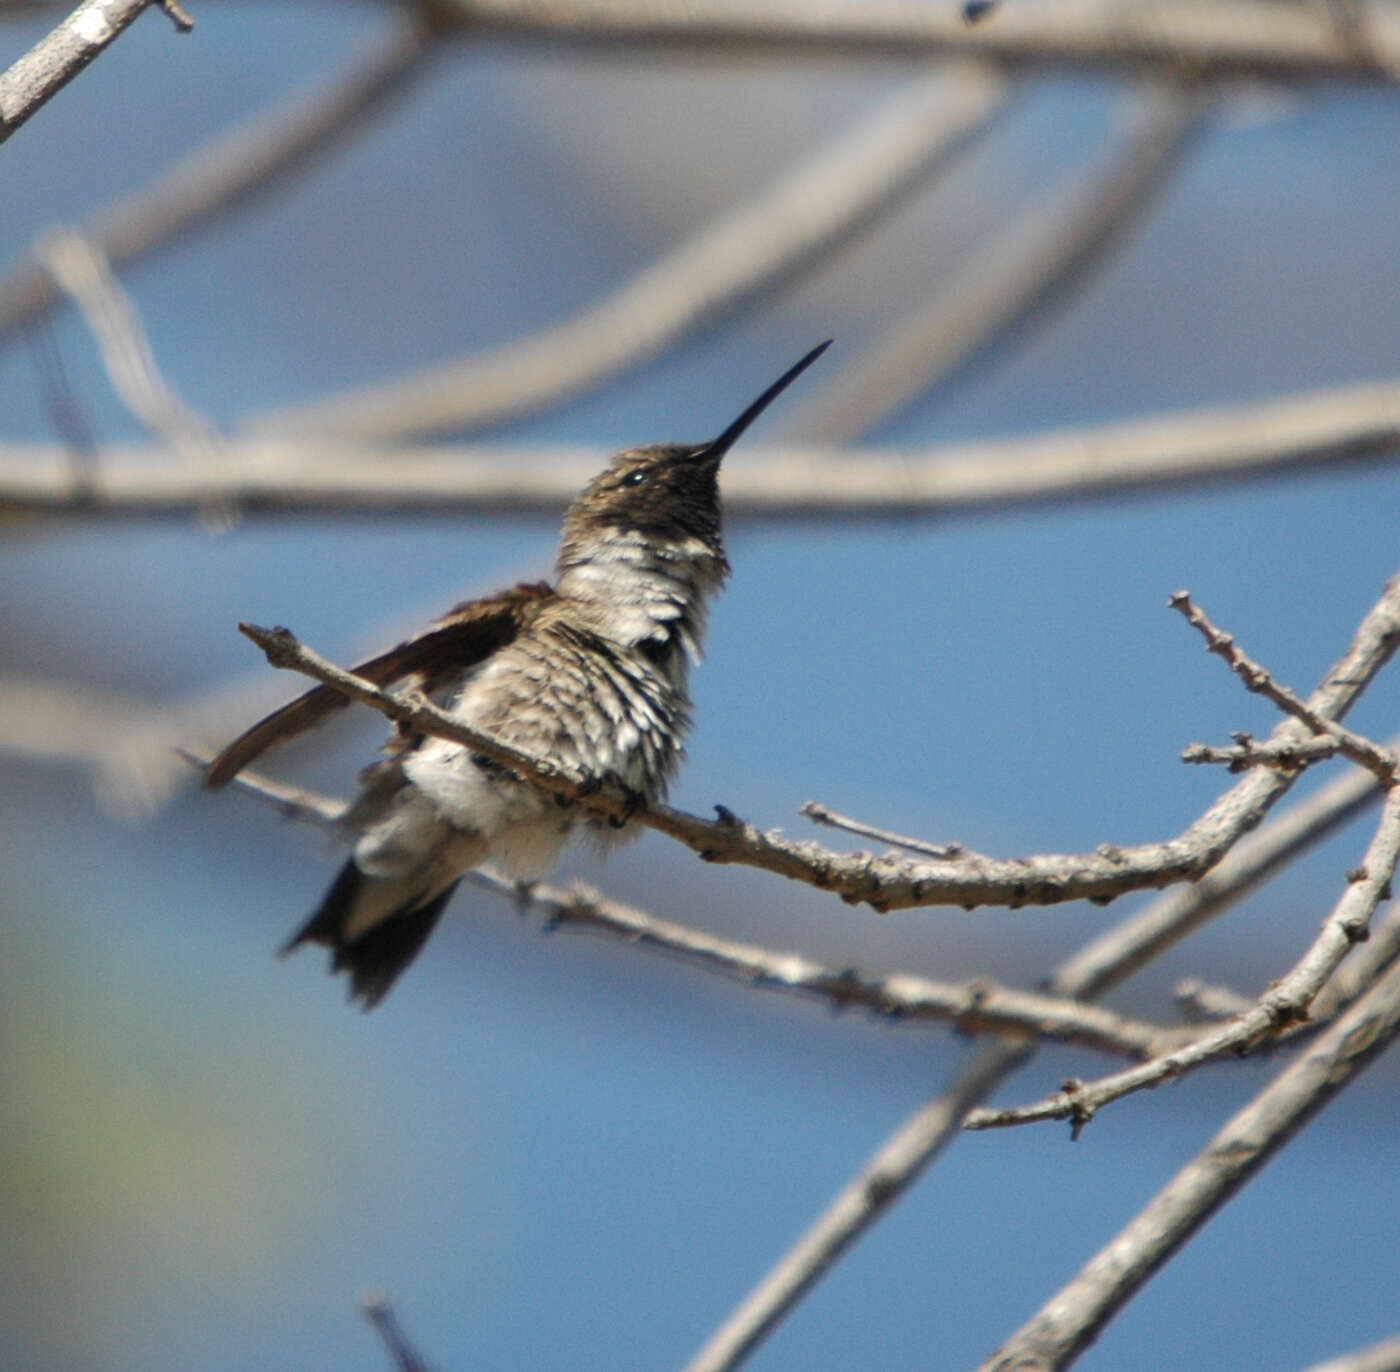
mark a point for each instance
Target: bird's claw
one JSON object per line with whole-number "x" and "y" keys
{"x": 632, "y": 801}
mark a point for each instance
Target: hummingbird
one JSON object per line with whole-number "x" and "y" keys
{"x": 589, "y": 671}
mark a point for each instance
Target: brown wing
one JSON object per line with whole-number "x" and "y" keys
{"x": 464, "y": 636}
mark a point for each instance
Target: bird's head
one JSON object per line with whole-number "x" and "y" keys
{"x": 668, "y": 492}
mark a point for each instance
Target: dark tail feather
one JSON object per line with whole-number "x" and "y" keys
{"x": 377, "y": 958}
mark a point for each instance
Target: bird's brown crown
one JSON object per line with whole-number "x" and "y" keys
{"x": 668, "y": 492}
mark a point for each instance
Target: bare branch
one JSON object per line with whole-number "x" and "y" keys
{"x": 781, "y": 232}
{"x": 1226, "y": 37}
{"x": 57, "y": 58}
{"x": 1370, "y": 961}
{"x": 128, "y": 746}
{"x": 1201, "y": 1000}
{"x": 891, "y": 882}
{"x": 375, "y": 1307}
{"x": 820, "y": 814}
{"x": 1282, "y": 1006}
{"x": 1111, "y": 957}
{"x": 973, "y": 1007}
{"x": 1105, "y": 962}
{"x": 884, "y": 1177}
{"x": 268, "y": 475}
{"x": 1256, "y": 678}
{"x": 1288, "y": 756}
{"x": 1071, "y": 1319}
{"x": 83, "y": 271}
{"x": 1036, "y": 255}
{"x": 291, "y": 802}
{"x": 237, "y": 163}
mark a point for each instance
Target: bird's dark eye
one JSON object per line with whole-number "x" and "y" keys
{"x": 634, "y": 478}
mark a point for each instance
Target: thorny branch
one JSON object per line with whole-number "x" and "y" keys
{"x": 1246, "y": 752}
{"x": 892, "y": 882}
{"x": 979, "y": 1006}
{"x": 1287, "y": 1002}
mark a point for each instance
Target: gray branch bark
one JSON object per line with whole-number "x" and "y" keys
{"x": 1348, "y": 424}
{"x": 58, "y": 57}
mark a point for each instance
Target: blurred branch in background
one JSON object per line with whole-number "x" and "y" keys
{"x": 780, "y": 233}
{"x": 86, "y": 275}
{"x": 1045, "y": 250}
{"x": 248, "y": 158}
{"x": 267, "y": 475}
{"x": 56, "y": 59}
{"x": 380, "y": 1316}
{"x": 1230, "y": 37}
{"x": 128, "y": 746}
{"x": 1379, "y": 1357}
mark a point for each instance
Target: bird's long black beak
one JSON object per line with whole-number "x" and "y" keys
{"x": 715, "y": 450}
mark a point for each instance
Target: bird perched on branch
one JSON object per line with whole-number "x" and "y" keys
{"x": 589, "y": 672}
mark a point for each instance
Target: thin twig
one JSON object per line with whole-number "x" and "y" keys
{"x": 223, "y": 173}
{"x": 291, "y": 802}
{"x": 1360, "y": 750}
{"x": 86, "y": 275}
{"x": 782, "y": 231}
{"x": 1073, "y": 1317}
{"x": 1105, "y": 962}
{"x": 1157, "y": 452}
{"x": 379, "y": 1314}
{"x": 891, "y": 882}
{"x": 1246, "y": 752}
{"x": 1282, "y": 1006}
{"x": 59, "y": 56}
{"x": 1035, "y": 256}
{"x": 1203, "y": 1000}
{"x": 821, "y": 814}
{"x": 974, "y": 1007}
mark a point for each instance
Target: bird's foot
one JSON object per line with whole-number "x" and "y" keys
{"x": 632, "y": 801}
